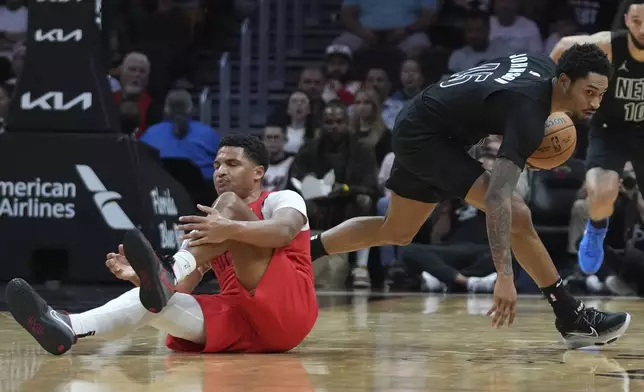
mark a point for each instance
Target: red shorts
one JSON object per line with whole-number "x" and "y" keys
{"x": 276, "y": 318}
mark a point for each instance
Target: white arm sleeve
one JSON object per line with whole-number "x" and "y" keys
{"x": 284, "y": 199}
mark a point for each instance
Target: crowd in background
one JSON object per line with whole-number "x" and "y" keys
{"x": 331, "y": 138}
{"x": 340, "y": 119}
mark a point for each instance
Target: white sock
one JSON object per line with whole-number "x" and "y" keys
{"x": 184, "y": 264}
{"x": 116, "y": 318}
{"x": 362, "y": 257}
{"x": 471, "y": 283}
{"x": 182, "y": 317}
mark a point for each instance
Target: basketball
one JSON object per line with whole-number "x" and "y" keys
{"x": 558, "y": 144}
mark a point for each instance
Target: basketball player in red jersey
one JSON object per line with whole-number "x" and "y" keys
{"x": 256, "y": 242}
{"x": 616, "y": 130}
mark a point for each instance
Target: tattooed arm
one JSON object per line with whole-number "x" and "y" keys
{"x": 498, "y": 205}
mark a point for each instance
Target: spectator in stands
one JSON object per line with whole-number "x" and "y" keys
{"x": 116, "y": 59}
{"x": 6, "y": 91}
{"x": 377, "y": 79}
{"x": 17, "y": 62}
{"x": 339, "y": 75}
{"x": 367, "y": 125}
{"x": 13, "y": 24}
{"x": 311, "y": 83}
{"x": 412, "y": 81}
{"x": 401, "y": 23}
{"x": 466, "y": 6}
{"x": 180, "y": 137}
{"x": 596, "y": 15}
{"x": 276, "y": 177}
{"x": 517, "y": 32}
{"x": 459, "y": 255}
{"x": 563, "y": 25}
{"x": 134, "y": 82}
{"x": 299, "y": 127}
{"x": 478, "y": 46}
{"x": 539, "y": 11}
{"x": 355, "y": 169}
{"x": 130, "y": 118}
{"x": 164, "y": 34}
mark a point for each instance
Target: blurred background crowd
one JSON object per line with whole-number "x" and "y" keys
{"x": 322, "y": 82}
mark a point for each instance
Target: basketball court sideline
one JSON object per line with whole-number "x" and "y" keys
{"x": 404, "y": 343}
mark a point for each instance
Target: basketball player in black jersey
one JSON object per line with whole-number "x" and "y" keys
{"x": 617, "y": 129}
{"x": 511, "y": 96}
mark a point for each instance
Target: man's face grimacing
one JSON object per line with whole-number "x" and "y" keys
{"x": 234, "y": 172}
{"x": 585, "y": 94}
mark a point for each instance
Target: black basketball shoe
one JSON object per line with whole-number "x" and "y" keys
{"x": 592, "y": 327}
{"x": 156, "y": 275}
{"x": 51, "y": 329}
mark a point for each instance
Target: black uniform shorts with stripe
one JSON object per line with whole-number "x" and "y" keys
{"x": 610, "y": 149}
{"x": 429, "y": 166}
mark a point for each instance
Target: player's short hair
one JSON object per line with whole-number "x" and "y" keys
{"x": 253, "y": 147}
{"x": 581, "y": 59}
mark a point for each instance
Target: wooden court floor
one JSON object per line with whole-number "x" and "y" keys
{"x": 403, "y": 343}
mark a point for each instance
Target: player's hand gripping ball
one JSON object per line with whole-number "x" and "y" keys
{"x": 558, "y": 145}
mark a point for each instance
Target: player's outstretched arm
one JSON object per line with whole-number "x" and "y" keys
{"x": 498, "y": 204}
{"x": 601, "y": 39}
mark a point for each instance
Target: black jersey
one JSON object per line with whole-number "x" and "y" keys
{"x": 461, "y": 102}
{"x": 623, "y": 105}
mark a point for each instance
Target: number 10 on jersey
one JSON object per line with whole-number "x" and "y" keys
{"x": 634, "y": 112}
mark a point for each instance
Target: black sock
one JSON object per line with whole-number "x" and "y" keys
{"x": 317, "y": 248}
{"x": 600, "y": 224}
{"x": 564, "y": 305}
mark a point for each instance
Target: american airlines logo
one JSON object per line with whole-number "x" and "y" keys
{"x": 106, "y": 201}
{"x": 55, "y": 101}
{"x": 58, "y": 35}
{"x": 42, "y": 198}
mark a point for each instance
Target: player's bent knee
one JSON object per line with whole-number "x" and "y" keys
{"x": 402, "y": 237}
{"x": 603, "y": 195}
{"x": 521, "y": 216}
{"x": 226, "y": 199}
{"x": 396, "y": 232}
{"x": 233, "y": 207}
{"x": 392, "y": 233}
{"x": 602, "y": 187}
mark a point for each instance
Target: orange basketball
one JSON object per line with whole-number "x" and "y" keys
{"x": 558, "y": 144}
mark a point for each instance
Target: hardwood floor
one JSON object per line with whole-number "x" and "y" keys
{"x": 401, "y": 343}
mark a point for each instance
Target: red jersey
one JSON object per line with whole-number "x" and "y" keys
{"x": 298, "y": 250}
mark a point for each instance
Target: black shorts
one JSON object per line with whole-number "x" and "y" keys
{"x": 610, "y": 149}
{"x": 429, "y": 166}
